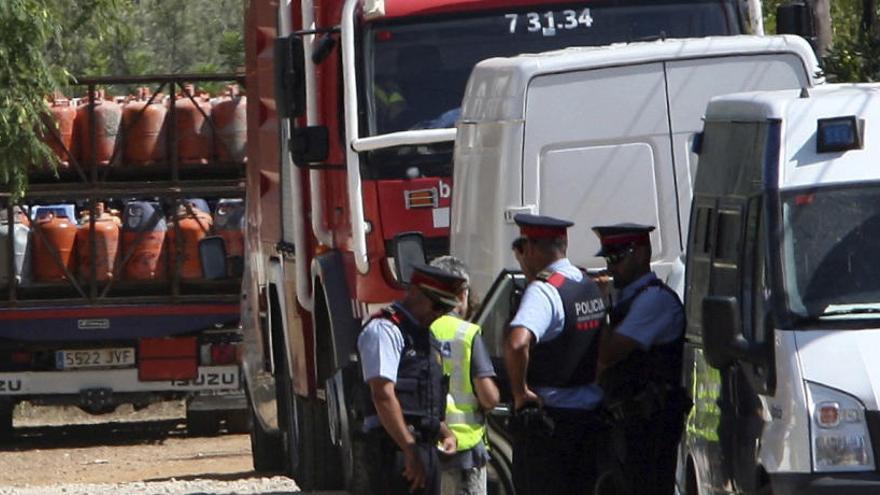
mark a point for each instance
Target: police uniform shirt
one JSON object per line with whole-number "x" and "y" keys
{"x": 542, "y": 313}
{"x": 380, "y": 345}
{"x": 655, "y": 317}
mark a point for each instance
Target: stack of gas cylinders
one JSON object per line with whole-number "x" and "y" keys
{"x": 140, "y": 242}
{"x": 132, "y": 131}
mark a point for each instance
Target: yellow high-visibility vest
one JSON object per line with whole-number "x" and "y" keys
{"x": 463, "y": 415}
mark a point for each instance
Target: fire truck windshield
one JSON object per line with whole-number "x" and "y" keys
{"x": 416, "y": 70}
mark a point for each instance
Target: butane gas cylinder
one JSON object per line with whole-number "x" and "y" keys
{"x": 61, "y": 139}
{"x": 55, "y": 233}
{"x": 143, "y": 240}
{"x": 21, "y": 235}
{"x": 143, "y": 121}
{"x": 229, "y": 224}
{"x": 229, "y": 114}
{"x": 108, "y": 117}
{"x": 192, "y": 225}
{"x": 106, "y": 244}
{"x": 194, "y": 136}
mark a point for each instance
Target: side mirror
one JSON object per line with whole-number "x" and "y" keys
{"x": 408, "y": 249}
{"x": 723, "y": 342}
{"x": 796, "y": 18}
{"x": 309, "y": 145}
{"x": 290, "y": 77}
{"x": 323, "y": 48}
{"x": 212, "y": 254}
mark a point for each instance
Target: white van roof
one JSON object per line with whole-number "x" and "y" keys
{"x": 799, "y": 111}
{"x": 496, "y": 88}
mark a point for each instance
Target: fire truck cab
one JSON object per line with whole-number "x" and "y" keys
{"x": 357, "y": 148}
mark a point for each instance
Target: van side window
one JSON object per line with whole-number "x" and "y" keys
{"x": 725, "y": 260}
{"x": 699, "y": 260}
{"x": 752, "y": 271}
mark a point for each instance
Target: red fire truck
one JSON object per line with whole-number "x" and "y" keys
{"x": 356, "y": 149}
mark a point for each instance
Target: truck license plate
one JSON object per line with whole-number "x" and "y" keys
{"x": 94, "y": 358}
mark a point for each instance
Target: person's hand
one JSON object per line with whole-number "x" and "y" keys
{"x": 413, "y": 469}
{"x": 448, "y": 444}
{"x": 528, "y": 397}
{"x": 604, "y": 282}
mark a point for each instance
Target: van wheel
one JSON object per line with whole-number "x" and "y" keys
{"x": 6, "y": 429}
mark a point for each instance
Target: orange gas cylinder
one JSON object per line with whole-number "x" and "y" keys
{"x": 58, "y": 235}
{"x": 229, "y": 224}
{"x": 229, "y": 114}
{"x": 108, "y": 117}
{"x": 143, "y": 121}
{"x": 192, "y": 224}
{"x": 106, "y": 244}
{"x": 194, "y": 136}
{"x": 143, "y": 241}
{"x": 61, "y": 139}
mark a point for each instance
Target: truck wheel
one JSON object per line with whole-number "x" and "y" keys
{"x": 6, "y": 429}
{"x": 266, "y": 448}
{"x": 238, "y": 421}
{"x": 202, "y": 423}
{"x": 319, "y": 460}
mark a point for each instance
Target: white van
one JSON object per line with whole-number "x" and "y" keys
{"x": 783, "y": 296}
{"x": 597, "y": 135}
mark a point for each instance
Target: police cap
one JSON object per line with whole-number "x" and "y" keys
{"x": 620, "y": 236}
{"x": 542, "y": 227}
{"x": 439, "y": 285}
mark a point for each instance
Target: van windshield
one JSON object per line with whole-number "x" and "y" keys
{"x": 830, "y": 247}
{"x": 416, "y": 71}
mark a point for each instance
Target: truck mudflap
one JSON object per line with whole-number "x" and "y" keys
{"x": 39, "y": 383}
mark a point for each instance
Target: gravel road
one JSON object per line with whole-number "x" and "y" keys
{"x": 66, "y": 452}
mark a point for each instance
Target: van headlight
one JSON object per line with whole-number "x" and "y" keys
{"x": 838, "y": 431}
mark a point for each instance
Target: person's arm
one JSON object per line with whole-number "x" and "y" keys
{"x": 613, "y": 348}
{"x": 391, "y": 416}
{"x": 448, "y": 442}
{"x": 483, "y": 374}
{"x": 487, "y": 392}
{"x": 516, "y": 358}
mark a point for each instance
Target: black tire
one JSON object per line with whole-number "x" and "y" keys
{"x": 6, "y": 429}
{"x": 318, "y": 460}
{"x": 237, "y": 420}
{"x": 202, "y": 423}
{"x": 266, "y": 448}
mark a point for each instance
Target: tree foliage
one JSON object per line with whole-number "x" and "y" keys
{"x": 44, "y": 43}
{"x": 26, "y": 27}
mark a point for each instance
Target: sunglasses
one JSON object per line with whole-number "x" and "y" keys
{"x": 617, "y": 257}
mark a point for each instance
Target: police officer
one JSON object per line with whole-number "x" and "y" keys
{"x": 402, "y": 366}
{"x": 550, "y": 354}
{"x": 472, "y": 391}
{"x": 640, "y": 361}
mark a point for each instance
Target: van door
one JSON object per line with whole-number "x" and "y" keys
{"x": 692, "y": 83}
{"x": 597, "y": 151}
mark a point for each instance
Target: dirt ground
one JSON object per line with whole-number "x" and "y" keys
{"x": 64, "y": 445}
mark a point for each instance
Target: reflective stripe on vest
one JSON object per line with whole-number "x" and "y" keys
{"x": 463, "y": 415}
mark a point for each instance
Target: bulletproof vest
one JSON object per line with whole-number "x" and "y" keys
{"x": 570, "y": 359}
{"x": 660, "y": 364}
{"x": 421, "y": 386}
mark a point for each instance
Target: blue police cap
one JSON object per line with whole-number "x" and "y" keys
{"x": 542, "y": 226}
{"x": 439, "y": 285}
{"x": 621, "y": 236}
